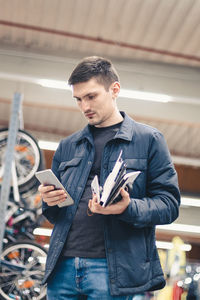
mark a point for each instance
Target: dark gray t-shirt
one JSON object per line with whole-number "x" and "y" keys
{"x": 86, "y": 235}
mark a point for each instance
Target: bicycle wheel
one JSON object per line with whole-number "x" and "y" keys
{"x": 28, "y": 158}
{"x": 22, "y": 271}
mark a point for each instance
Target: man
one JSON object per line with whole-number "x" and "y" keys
{"x": 107, "y": 252}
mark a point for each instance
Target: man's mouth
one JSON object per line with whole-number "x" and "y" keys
{"x": 89, "y": 115}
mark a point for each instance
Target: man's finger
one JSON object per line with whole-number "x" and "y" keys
{"x": 45, "y": 188}
{"x": 124, "y": 193}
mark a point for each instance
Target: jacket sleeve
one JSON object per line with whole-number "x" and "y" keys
{"x": 52, "y": 212}
{"x": 161, "y": 202}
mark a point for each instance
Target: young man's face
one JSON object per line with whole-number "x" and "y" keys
{"x": 96, "y": 103}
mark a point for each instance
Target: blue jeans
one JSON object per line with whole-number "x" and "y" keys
{"x": 81, "y": 278}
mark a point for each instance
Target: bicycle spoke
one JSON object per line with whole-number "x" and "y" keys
{"x": 25, "y": 283}
{"x": 12, "y": 288}
{"x": 6, "y": 284}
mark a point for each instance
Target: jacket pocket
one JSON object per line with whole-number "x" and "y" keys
{"x": 71, "y": 163}
{"x": 68, "y": 171}
{"x": 132, "y": 262}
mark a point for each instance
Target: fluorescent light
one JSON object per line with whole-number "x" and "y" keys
{"x": 55, "y": 84}
{"x": 189, "y": 201}
{"x": 139, "y": 95}
{"x": 159, "y": 244}
{"x": 42, "y": 231}
{"x": 48, "y": 145}
{"x": 169, "y": 245}
{"x": 18, "y": 77}
{"x": 186, "y": 161}
{"x": 186, "y": 247}
{"x": 133, "y": 94}
{"x": 180, "y": 227}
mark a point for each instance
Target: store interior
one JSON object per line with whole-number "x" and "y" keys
{"x": 155, "y": 47}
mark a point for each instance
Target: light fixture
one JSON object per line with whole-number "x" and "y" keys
{"x": 159, "y": 244}
{"x": 50, "y": 83}
{"x": 176, "y": 159}
{"x": 140, "y": 95}
{"x": 180, "y": 228}
{"x": 186, "y": 161}
{"x": 42, "y": 231}
{"x": 189, "y": 201}
{"x": 171, "y": 227}
{"x": 46, "y": 145}
{"x": 55, "y": 84}
{"x": 169, "y": 245}
{"x": 124, "y": 93}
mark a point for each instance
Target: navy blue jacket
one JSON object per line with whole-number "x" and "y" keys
{"x": 131, "y": 252}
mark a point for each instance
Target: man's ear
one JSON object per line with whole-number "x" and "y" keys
{"x": 115, "y": 86}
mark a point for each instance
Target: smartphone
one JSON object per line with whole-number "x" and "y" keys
{"x": 47, "y": 177}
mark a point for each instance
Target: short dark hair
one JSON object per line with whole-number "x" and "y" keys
{"x": 94, "y": 67}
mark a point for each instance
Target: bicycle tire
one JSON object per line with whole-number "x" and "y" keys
{"x": 23, "y": 284}
{"x": 28, "y": 158}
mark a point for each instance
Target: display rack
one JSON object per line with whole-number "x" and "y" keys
{"x": 9, "y": 166}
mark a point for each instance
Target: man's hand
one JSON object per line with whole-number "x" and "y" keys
{"x": 113, "y": 209}
{"x": 51, "y": 196}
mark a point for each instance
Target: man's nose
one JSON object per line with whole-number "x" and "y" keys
{"x": 85, "y": 106}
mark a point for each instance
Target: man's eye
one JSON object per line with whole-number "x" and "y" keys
{"x": 91, "y": 97}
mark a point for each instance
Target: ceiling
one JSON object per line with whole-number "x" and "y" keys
{"x": 153, "y": 43}
{"x": 155, "y": 30}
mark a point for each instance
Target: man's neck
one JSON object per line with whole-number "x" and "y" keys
{"x": 116, "y": 118}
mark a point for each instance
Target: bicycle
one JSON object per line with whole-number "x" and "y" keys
{"x": 22, "y": 270}
{"x": 22, "y": 262}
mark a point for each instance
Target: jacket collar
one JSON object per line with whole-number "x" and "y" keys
{"x": 125, "y": 132}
